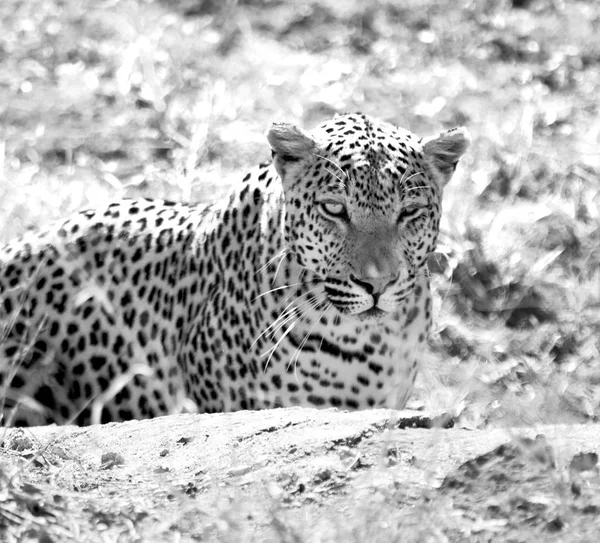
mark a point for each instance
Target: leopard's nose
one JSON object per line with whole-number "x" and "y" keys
{"x": 374, "y": 285}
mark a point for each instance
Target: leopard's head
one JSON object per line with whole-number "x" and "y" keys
{"x": 362, "y": 205}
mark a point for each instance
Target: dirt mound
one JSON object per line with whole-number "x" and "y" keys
{"x": 298, "y": 475}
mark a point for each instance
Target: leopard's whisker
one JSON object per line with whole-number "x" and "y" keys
{"x": 281, "y": 319}
{"x": 288, "y": 310}
{"x": 300, "y": 283}
{"x": 275, "y": 290}
{"x": 321, "y": 344}
{"x": 301, "y": 346}
{"x": 304, "y": 293}
{"x": 283, "y": 336}
{"x": 292, "y": 312}
{"x": 278, "y": 268}
{"x": 340, "y": 180}
{"x": 404, "y": 179}
{"x": 303, "y": 305}
{"x": 298, "y": 350}
{"x": 334, "y": 164}
{"x": 281, "y": 254}
{"x": 418, "y": 187}
{"x": 403, "y": 176}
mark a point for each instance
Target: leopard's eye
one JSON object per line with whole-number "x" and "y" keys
{"x": 333, "y": 209}
{"x": 410, "y": 212}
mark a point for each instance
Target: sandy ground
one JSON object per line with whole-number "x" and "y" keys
{"x": 298, "y": 475}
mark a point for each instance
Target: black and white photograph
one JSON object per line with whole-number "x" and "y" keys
{"x": 299, "y": 272}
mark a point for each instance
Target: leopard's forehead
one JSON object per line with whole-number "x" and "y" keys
{"x": 376, "y": 159}
{"x": 360, "y": 138}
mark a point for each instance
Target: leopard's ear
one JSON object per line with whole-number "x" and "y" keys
{"x": 289, "y": 144}
{"x": 443, "y": 152}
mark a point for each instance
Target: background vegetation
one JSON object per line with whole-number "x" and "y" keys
{"x": 107, "y": 98}
{"x": 171, "y": 99}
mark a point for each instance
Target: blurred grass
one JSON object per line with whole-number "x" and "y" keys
{"x": 114, "y": 98}
{"x": 109, "y": 98}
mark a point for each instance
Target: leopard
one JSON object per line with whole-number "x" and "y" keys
{"x": 307, "y": 285}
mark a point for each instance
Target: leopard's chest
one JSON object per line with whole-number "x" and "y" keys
{"x": 349, "y": 364}
{"x": 315, "y": 356}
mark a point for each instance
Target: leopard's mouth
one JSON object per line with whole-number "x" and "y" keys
{"x": 364, "y": 306}
{"x": 373, "y": 314}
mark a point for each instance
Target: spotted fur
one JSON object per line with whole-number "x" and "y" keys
{"x": 307, "y": 286}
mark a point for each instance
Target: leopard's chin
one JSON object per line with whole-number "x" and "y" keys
{"x": 375, "y": 314}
